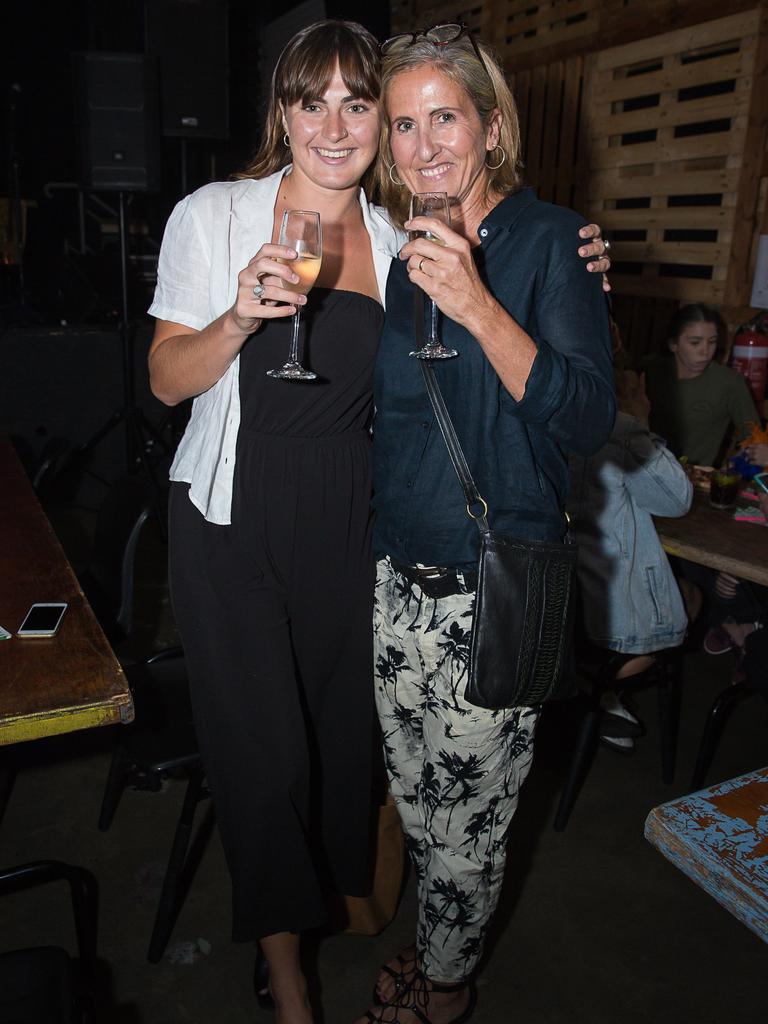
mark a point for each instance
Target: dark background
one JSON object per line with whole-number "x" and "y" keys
{"x": 57, "y": 283}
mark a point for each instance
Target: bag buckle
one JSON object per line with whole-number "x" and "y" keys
{"x": 480, "y": 514}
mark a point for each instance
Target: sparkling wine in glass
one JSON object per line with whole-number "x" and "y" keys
{"x": 300, "y": 230}
{"x": 432, "y": 204}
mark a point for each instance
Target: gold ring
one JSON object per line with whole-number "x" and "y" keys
{"x": 421, "y": 263}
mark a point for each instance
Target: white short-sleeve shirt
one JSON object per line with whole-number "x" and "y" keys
{"x": 210, "y": 237}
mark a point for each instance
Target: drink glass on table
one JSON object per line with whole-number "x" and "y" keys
{"x": 723, "y": 488}
{"x": 300, "y": 230}
{"x": 432, "y": 204}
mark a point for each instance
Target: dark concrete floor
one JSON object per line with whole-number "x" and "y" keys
{"x": 595, "y": 927}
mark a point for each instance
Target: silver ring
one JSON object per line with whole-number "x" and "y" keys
{"x": 421, "y": 263}
{"x": 258, "y": 290}
{"x": 606, "y": 246}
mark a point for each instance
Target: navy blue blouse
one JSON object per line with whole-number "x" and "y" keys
{"x": 516, "y": 450}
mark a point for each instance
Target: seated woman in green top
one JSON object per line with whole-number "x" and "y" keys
{"x": 694, "y": 400}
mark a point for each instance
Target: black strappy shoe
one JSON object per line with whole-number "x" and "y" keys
{"x": 401, "y": 975}
{"x": 414, "y": 997}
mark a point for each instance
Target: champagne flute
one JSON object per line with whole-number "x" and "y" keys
{"x": 432, "y": 204}
{"x": 300, "y": 230}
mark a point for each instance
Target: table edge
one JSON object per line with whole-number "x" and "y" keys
{"x": 22, "y": 728}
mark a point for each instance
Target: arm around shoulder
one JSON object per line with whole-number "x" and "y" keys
{"x": 570, "y": 386}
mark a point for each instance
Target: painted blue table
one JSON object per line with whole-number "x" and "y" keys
{"x": 719, "y": 838}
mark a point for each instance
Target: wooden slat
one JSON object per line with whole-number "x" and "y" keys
{"x": 739, "y": 281}
{"x": 521, "y": 88}
{"x": 568, "y": 126}
{"x": 535, "y": 123}
{"x": 690, "y": 184}
{"x": 551, "y": 132}
{"x": 686, "y": 289}
{"x": 712, "y": 108}
{"x": 719, "y": 69}
{"x": 528, "y": 17}
{"x": 716, "y": 218}
{"x": 694, "y": 253}
{"x": 718, "y": 144}
{"x": 686, "y": 40}
{"x": 514, "y": 44}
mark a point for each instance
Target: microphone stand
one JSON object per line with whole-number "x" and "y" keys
{"x": 140, "y": 434}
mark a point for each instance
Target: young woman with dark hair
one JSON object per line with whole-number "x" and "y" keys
{"x": 694, "y": 399}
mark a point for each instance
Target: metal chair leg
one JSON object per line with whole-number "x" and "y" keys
{"x": 668, "y": 691}
{"x": 713, "y": 728}
{"x": 7, "y": 779}
{"x": 168, "y": 906}
{"x": 582, "y": 753}
{"x": 113, "y": 788}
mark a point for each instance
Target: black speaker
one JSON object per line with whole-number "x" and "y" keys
{"x": 191, "y": 40}
{"x": 117, "y": 104}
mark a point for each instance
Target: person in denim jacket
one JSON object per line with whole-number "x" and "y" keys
{"x": 631, "y": 602}
{"x": 630, "y": 599}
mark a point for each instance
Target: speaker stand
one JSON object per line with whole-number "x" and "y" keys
{"x": 139, "y": 432}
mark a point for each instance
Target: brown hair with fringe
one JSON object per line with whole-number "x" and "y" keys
{"x": 484, "y": 83}
{"x": 304, "y": 71}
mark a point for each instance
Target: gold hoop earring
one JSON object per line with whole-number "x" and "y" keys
{"x": 392, "y": 177}
{"x": 286, "y": 141}
{"x": 495, "y": 167}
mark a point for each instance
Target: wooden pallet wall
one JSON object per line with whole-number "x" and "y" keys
{"x": 529, "y": 33}
{"x": 670, "y": 124}
{"x": 548, "y": 101}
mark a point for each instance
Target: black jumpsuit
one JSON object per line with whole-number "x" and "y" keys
{"x": 275, "y": 616}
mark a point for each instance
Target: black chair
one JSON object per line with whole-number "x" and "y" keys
{"x": 56, "y": 472}
{"x": 161, "y": 742}
{"x": 599, "y": 672}
{"x": 108, "y": 578}
{"x": 43, "y": 984}
{"x": 717, "y": 716}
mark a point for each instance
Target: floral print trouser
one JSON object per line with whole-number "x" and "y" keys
{"x": 455, "y": 770}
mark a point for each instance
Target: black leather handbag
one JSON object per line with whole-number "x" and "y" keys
{"x": 522, "y": 624}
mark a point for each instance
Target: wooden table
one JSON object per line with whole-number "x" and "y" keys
{"x": 719, "y": 838}
{"x": 73, "y": 680}
{"x": 712, "y": 537}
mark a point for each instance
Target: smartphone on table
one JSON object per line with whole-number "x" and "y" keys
{"x": 42, "y": 619}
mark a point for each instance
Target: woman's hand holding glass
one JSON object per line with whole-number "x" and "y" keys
{"x": 446, "y": 272}
{"x": 273, "y": 280}
{"x": 432, "y": 206}
{"x": 302, "y": 232}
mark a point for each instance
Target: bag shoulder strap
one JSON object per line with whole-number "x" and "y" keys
{"x": 477, "y": 508}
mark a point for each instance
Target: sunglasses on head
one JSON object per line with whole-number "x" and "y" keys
{"x": 439, "y": 35}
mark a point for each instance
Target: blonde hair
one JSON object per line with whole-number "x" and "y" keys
{"x": 484, "y": 83}
{"x": 304, "y": 71}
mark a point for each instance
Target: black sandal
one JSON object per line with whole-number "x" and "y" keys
{"x": 402, "y": 975}
{"x": 414, "y": 997}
